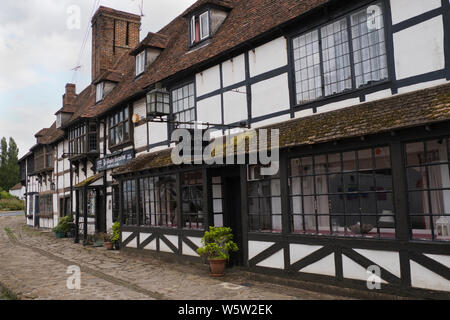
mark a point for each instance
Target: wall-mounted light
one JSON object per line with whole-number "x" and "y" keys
{"x": 158, "y": 103}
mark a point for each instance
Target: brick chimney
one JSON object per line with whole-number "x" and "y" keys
{"x": 70, "y": 95}
{"x": 113, "y": 34}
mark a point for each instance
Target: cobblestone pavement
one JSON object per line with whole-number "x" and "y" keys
{"x": 33, "y": 265}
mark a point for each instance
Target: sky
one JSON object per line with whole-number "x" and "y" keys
{"x": 40, "y": 44}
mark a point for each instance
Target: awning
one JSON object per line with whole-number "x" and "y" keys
{"x": 91, "y": 181}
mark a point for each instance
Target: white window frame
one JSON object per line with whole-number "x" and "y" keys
{"x": 140, "y": 63}
{"x": 201, "y": 25}
{"x": 99, "y": 92}
{"x": 193, "y": 30}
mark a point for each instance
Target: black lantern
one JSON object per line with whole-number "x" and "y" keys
{"x": 158, "y": 103}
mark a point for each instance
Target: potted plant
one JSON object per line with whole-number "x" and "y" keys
{"x": 98, "y": 240}
{"x": 108, "y": 242}
{"x": 217, "y": 245}
{"x": 115, "y": 239}
{"x": 64, "y": 226}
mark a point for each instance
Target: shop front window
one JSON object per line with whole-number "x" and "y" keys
{"x": 343, "y": 194}
{"x": 129, "y": 216}
{"x": 264, "y": 201}
{"x": 427, "y": 170}
{"x": 158, "y": 201}
{"x": 192, "y": 200}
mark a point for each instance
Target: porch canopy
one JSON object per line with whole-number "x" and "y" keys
{"x": 419, "y": 108}
{"x": 94, "y": 181}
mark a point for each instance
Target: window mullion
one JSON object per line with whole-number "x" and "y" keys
{"x": 350, "y": 49}
{"x": 322, "y": 77}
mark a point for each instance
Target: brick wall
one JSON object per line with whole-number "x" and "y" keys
{"x": 113, "y": 34}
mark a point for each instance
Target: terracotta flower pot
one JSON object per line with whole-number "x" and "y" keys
{"x": 109, "y": 245}
{"x": 217, "y": 267}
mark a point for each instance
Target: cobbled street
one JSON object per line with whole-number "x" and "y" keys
{"x": 33, "y": 265}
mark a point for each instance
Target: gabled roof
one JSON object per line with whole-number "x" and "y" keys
{"x": 152, "y": 40}
{"x": 17, "y": 187}
{"x": 423, "y": 107}
{"x": 225, "y": 4}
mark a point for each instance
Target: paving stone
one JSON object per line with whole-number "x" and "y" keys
{"x": 34, "y": 266}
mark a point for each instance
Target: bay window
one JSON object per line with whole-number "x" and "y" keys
{"x": 192, "y": 200}
{"x": 119, "y": 127}
{"x": 83, "y": 138}
{"x": 158, "y": 201}
{"x": 427, "y": 171}
{"x": 343, "y": 194}
{"x": 346, "y": 54}
{"x": 264, "y": 201}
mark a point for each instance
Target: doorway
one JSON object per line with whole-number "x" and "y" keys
{"x": 100, "y": 212}
{"x": 232, "y": 213}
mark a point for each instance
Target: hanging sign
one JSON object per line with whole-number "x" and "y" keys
{"x": 115, "y": 160}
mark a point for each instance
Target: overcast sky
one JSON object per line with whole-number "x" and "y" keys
{"x": 38, "y": 51}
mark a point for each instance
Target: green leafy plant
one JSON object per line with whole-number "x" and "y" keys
{"x": 217, "y": 244}
{"x": 65, "y": 225}
{"x": 116, "y": 232}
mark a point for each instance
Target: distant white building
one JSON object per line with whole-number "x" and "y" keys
{"x": 18, "y": 191}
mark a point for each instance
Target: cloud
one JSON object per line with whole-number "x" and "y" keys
{"x": 38, "y": 51}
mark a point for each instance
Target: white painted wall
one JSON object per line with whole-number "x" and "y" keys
{"x": 233, "y": 71}
{"x": 208, "y": 80}
{"x": 405, "y": 9}
{"x": 419, "y": 49}
{"x": 267, "y": 57}
{"x": 235, "y": 106}
{"x": 210, "y": 110}
{"x": 270, "y": 96}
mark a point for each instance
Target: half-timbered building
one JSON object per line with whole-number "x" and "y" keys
{"x": 359, "y": 94}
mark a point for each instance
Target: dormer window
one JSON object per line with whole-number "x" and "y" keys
{"x": 140, "y": 63}
{"x": 199, "y": 29}
{"x": 99, "y": 92}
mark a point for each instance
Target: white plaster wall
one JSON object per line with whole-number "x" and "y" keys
{"x": 208, "y": 80}
{"x": 300, "y": 251}
{"x": 405, "y": 9}
{"x": 256, "y": 247}
{"x": 210, "y": 110}
{"x": 386, "y": 259}
{"x": 140, "y": 136}
{"x": 140, "y": 108}
{"x": 157, "y": 132}
{"x": 424, "y": 54}
{"x": 270, "y": 96}
{"x": 235, "y": 106}
{"x": 271, "y": 121}
{"x": 378, "y": 95}
{"x": 186, "y": 250}
{"x": 233, "y": 71}
{"x": 275, "y": 261}
{"x": 338, "y": 105}
{"x": 324, "y": 266}
{"x": 267, "y": 57}
{"x": 421, "y": 277}
{"x": 422, "y": 85}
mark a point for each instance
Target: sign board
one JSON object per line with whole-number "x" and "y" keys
{"x": 115, "y": 160}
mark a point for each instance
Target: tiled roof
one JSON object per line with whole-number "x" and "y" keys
{"x": 227, "y": 4}
{"x": 17, "y": 187}
{"x": 246, "y": 21}
{"x": 51, "y": 135}
{"x": 418, "y": 108}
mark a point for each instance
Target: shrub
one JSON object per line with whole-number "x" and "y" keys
{"x": 12, "y": 204}
{"x": 217, "y": 244}
{"x": 65, "y": 225}
{"x": 116, "y": 232}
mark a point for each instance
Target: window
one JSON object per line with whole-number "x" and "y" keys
{"x": 83, "y": 139}
{"x": 129, "y": 212}
{"x": 115, "y": 203}
{"x": 218, "y": 201}
{"x": 99, "y": 92}
{"x": 92, "y": 203}
{"x": 39, "y": 156}
{"x": 140, "y": 63}
{"x": 48, "y": 157}
{"x": 158, "y": 201}
{"x": 192, "y": 200}
{"x": 183, "y": 104}
{"x": 119, "y": 127}
{"x": 46, "y": 205}
{"x": 343, "y": 55}
{"x": 264, "y": 201}
{"x": 77, "y": 140}
{"x": 427, "y": 170}
{"x": 343, "y": 194}
{"x": 199, "y": 28}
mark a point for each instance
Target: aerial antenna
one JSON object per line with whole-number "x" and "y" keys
{"x": 141, "y": 8}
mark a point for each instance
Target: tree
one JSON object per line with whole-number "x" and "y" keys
{"x": 9, "y": 168}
